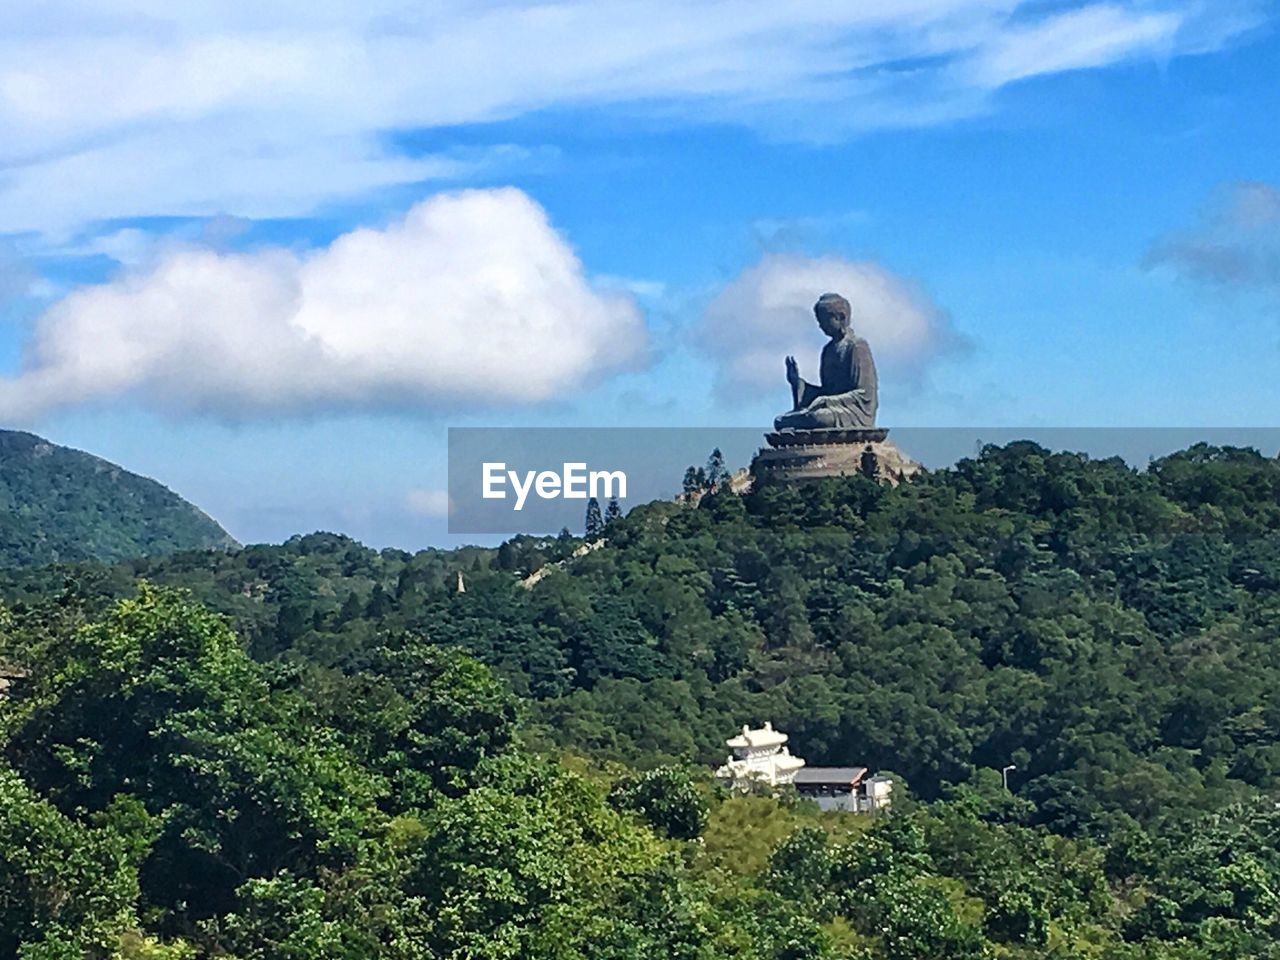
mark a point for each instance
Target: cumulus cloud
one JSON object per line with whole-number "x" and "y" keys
{"x": 1236, "y": 242}
{"x": 766, "y": 313}
{"x": 114, "y": 109}
{"x": 473, "y": 298}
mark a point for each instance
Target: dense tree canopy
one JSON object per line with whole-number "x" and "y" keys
{"x": 164, "y": 796}
{"x": 323, "y": 750}
{"x": 1108, "y": 630}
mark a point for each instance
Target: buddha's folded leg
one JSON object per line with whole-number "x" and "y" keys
{"x": 824, "y": 418}
{"x": 816, "y": 417}
{"x": 795, "y": 420}
{"x": 850, "y": 415}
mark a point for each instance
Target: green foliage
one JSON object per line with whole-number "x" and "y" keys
{"x": 159, "y": 701}
{"x": 322, "y": 750}
{"x": 594, "y": 523}
{"x": 1221, "y": 878}
{"x": 802, "y": 868}
{"x": 1106, "y": 629}
{"x": 58, "y": 504}
{"x": 67, "y": 889}
{"x": 424, "y": 717}
{"x": 666, "y": 798}
{"x": 281, "y": 917}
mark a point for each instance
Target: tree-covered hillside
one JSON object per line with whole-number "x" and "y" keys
{"x": 333, "y": 774}
{"x": 58, "y": 504}
{"x": 163, "y": 796}
{"x": 1110, "y": 631}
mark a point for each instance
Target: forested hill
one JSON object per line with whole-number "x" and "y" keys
{"x": 1111, "y": 631}
{"x": 358, "y": 787}
{"x": 58, "y": 504}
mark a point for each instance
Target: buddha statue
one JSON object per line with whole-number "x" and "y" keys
{"x": 845, "y": 397}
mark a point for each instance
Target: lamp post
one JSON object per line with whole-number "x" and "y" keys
{"x": 1004, "y": 774}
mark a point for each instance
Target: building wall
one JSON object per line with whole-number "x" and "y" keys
{"x": 842, "y": 801}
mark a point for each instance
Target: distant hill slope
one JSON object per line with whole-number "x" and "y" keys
{"x": 58, "y": 504}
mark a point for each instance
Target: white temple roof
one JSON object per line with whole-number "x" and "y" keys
{"x": 765, "y": 736}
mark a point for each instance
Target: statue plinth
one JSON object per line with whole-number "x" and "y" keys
{"x": 815, "y": 454}
{"x": 826, "y": 437}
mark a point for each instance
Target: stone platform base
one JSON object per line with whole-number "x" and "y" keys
{"x": 814, "y": 454}
{"x": 825, "y": 438}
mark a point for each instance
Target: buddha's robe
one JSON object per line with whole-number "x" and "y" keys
{"x": 846, "y": 396}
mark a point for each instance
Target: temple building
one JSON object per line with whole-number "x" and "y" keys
{"x": 845, "y": 788}
{"x": 761, "y": 758}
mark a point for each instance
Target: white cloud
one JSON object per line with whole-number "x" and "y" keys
{"x": 1235, "y": 244}
{"x": 472, "y": 299}
{"x": 428, "y": 503}
{"x": 203, "y": 170}
{"x": 129, "y": 246}
{"x": 114, "y": 109}
{"x": 1075, "y": 40}
{"x": 766, "y": 313}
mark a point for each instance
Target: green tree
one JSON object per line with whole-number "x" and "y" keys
{"x": 158, "y": 700}
{"x": 666, "y": 798}
{"x": 66, "y": 889}
{"x": 594, "y": 525}
{"x": 716, "y": 474}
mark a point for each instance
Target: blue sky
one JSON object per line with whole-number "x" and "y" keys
{"x": 268, "y": 256}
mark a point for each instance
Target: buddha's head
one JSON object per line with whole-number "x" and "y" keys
{"x": 832, "y": 311}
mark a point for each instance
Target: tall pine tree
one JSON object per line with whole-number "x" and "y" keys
{"x": 716, "y": 472}
{"x": 595, "y": 522}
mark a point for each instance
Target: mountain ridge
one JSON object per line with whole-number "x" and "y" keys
{"x": 59, "y": 504}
